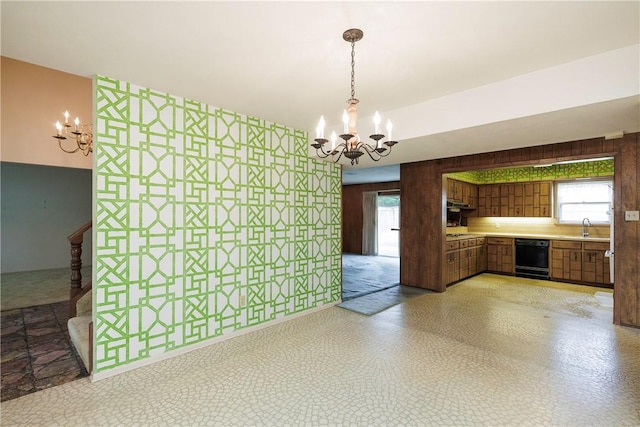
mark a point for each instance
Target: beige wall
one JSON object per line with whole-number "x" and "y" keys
{"x": 33, "y": 98}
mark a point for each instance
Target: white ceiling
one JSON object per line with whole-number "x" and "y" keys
{"x": 286, "y": 62}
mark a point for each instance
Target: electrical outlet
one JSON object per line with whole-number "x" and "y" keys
{"x": 632, "y": 215}
{"x": 497, "y": 224}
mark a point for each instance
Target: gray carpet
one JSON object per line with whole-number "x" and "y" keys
{"x": 364, "y": 274}
{"x": 381, "y": 300}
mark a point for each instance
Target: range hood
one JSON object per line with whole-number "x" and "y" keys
{"x": 457, "y": 206}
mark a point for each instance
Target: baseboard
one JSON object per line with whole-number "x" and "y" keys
{"x": 97, "y": 376}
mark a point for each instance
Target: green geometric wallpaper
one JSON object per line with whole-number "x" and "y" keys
{"x": 206, "y": 222}
{"x": 599, "y": 168}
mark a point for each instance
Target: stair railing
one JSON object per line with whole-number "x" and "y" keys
{"x": 76, "y": 239}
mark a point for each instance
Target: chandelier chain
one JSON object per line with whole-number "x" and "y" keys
{"x": 353, "y": 72}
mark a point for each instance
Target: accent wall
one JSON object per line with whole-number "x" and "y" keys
{"x": 206, "y": 223}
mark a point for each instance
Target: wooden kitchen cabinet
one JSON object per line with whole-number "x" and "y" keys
{"x": 595, "y": 266}
{"x": 466, "y": 247}
{"x": 462, "y": 258}
{"x": 500, "y": 255}
{"x": 489, "y": 200}
{"x": 481, "y": 259}
{"x": 531, "y": 199}
{"x": 462, "y": 192}
{"x": 453, "y": 262}
{"x": 454, "y": 190}
{"x": 537, "y": 199}
{"x": 566, "y": 260}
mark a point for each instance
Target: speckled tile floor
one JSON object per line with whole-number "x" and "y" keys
{"x": 489, "y": 351}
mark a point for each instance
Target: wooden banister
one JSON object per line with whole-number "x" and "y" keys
{"x": 76, "y": 239}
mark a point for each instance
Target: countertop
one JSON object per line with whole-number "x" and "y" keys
{"x": 528, "y": 236}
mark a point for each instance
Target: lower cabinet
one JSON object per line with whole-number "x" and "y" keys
{"x": 482, "y": 255}
{"x": 581, "y": 262}
{"x": 500, "y": 255}
{"x": 465, "y": 258}
{"x": 453, "y": 262}
{"x": 566, "y": 260}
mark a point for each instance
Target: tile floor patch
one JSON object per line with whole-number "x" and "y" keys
{"x": 36, "y": 350}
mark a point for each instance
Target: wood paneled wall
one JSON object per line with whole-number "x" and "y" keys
{"x": 352, "y": 213}
{"x": 423, "y": 212}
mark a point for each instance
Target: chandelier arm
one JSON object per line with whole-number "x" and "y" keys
{"x": 67, "y": 151}
{"x": 321, "y": 153}
{"x": 370, "y": 151}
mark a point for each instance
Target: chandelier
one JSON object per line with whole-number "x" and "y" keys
{"x": 82, "y": 134}
{"x": 351, "y": 146}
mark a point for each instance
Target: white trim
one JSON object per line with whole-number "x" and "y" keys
{"x": 97, "y": 376}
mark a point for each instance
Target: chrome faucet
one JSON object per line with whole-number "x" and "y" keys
{"x": 585, "y": 233}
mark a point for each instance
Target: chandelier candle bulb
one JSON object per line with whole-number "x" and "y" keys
{"x": 59, "y": 128}
{"x": 345, "y": 121}
{"x": 66, "y": 117}
{"x": 389, "y": 128}
{"x": 320, "y": 129}
{"x": 77, "y": 123}
{"x": 376, "y": 123}
{"x": 333, "y": 141}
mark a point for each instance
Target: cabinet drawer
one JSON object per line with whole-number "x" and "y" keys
{"x": 464, "y": 243}
{"x": 452, "y": 246}
{"x": 596, "y": 246}
{"x": 566, "y": 244}
{"x": 499, "y": 241}
{"x": 480, "y": 241}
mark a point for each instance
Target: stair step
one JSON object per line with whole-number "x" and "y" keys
{"x": 79, "y": 334}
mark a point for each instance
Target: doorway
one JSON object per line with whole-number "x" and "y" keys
{"x": 388, "y": 227}
{"x": 377, "y": 268}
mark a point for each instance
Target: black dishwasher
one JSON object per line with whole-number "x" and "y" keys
{"x": 532, "y": 258}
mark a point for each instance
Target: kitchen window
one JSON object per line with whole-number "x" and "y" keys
{"x": 576, "y": 200}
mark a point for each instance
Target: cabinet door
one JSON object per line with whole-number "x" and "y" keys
{"x": 465, "y": 257}
{"x": 492, "y": 257}
{"x": 473, "y": 261}
{"x": 589, "y": 261}
{"x": 482, "y": 258}
{"x": 453, "y": 266}
{"x": 504, "y": 199}
{"x": 451, "y": 190}
{"x": 518, "y": 200}
{"x": 482, "y": 206}
{"x": 536, "y": 199}
{"x": 545, "y": 199}
{"x": 495, "y": 200}
{"x": 557, "y": 264}
{"x": 575, "y": 265}
{"x": 507, "y": 263}
{"x": 595, "y": 267}
{"x": 528, "y": 199}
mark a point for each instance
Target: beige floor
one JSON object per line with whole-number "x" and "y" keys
{"x": 29, "y": 288}
{"x": 489, "y": 351}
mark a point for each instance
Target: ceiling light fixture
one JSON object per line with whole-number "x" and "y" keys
{"x": 83, "y": 135}
{"x": 352, "y": 147}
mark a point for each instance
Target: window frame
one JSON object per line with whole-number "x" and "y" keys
{"x": 605, "y": 180}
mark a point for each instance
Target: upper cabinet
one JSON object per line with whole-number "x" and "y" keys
{"x": 529, "y": 199}
{"x": 462, "y": 192}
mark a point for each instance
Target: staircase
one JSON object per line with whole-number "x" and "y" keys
{"x": 80, "y": 322}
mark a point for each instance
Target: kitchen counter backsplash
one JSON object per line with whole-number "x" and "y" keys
{"x": 533, "y": 227}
